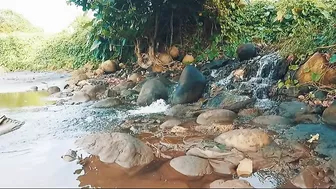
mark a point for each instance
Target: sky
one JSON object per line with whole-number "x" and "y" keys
{"x": 51, "y": 15}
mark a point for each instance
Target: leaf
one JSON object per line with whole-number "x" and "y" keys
{"x": 221, "y": 147}
{"x": 315, "y": 76}
{"x": 280, "y": 84}
{"x": 294, "y": 67}
{"x": 95, "y": 45}
{"x": 332, "y": 59}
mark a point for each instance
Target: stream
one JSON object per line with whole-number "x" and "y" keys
{"x": 31, "y": 155}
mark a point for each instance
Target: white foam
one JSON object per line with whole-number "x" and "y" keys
{"x": 158, "y": 106}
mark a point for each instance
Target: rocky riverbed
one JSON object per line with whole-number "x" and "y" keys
{"x": 222, "y": 124}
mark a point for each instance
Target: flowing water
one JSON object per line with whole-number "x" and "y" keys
{"x": 31, "y": 155}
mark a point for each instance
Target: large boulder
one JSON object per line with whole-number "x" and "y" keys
{"x": 216, "y": 116}
{"x": 152, "y": 90}
{"x": 170, "y": 123}
{"x": 293, "y": 108}
{"x": 191, "y": 86}
{"x": 80, "y": 97}
{"x": 230, "y": 184}
{"x": 246, "y": 51}
{"x": 191, "y": 165}
{"x": 317, "y": 64}
{"x": 329, "y": 115}
{"x": 244, "y": 140}
{"x": 120, "y": 148}
{"x": 230, "y": 101}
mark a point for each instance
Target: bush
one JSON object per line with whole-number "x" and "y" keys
{"x": 13, "y": 22}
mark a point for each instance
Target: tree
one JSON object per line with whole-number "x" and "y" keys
{"x": 141, "y": 24}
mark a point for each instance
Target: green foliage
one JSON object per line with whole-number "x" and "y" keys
{"x": 119, "y": 24}
{"x": 65, "y": 50}
{"x": 13, "y": 22}
{"x": 332, "y": 59}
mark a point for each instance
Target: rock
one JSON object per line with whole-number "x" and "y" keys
{"x": 311, "y": 177}
{"x": 230, "y": 184}
{"x": 191, "y": 166}
{"x": 151, "y": 91}
{"x": 120, "y": 148}
{"x": 216, "y": 116}
{"x": 214, "y": 128}
{"x": 321, "y": 95}
{"x": 291, "y": 109}
{"x": 135, "y": 78}
{"x": 230, "y": 101}
{"x": 188, "y": 59}
{"x": 170, "y": 123}
{"x": 215, "y": 64}
{"x": 271, "y": 120}
{"x": 34, "y": 88}
{"x": 165, "y": 58}
{"x": 111, "y": 93}
{"x": 245, "y": 167}
{"x": 246, "y": 51}
{"x": 109, "y": 66}
{"x": 178, "y": 129}
{"x": 107, "y": 103}
{"x": 94, "y": 91}
{"x": 317, "y": 64}
{"x": 307, "y": 118}
{"x": 128, "y": 93}
{"x": 174, "y": 52}
{"x": 244, "y": 139}
{"x": 77, "y": 76}
{"x": 233, "y": 157}
{"x": 124, "y": 86}
{"x": 223, "y": 167}
{"x": 80, "y": 97}
{"x": 191, "y": 86}
{"x": 99, "y": 72}
{"x": 83, "y": 83}
{"x": 250, "y": 112}
{"x": 181, "y": 110}
{"x": 329, "y": 115}
{"x": 53, "y": 90}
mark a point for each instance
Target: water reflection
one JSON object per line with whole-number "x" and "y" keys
{"x": 23, "y": 99}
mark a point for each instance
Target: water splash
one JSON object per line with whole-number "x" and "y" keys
{"x": 158, "y": 106}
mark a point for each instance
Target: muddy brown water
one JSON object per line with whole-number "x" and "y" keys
{"x": 31, "y": 155}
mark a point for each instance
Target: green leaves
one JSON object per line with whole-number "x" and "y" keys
{"x": 95, "y": 45}
{"x": 332, "y": 59}
{"x": 315, "y": 77}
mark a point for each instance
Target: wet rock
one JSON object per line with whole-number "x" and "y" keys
{"x": 120, "y": 148}
{"x": 191, "y": 86}
{"x": 250, "y": 112}
{"x": 311, "y": 177}
{"x": 321, "y": 95}
{"x": 109, "y": 66}
{"x": 307, "y": 118}
{"x": 170, "y": 123}
{"x": 271, "y": 120}
{"x": 291, "y": 109}
{"x": 230, "y": 184}
{"x": 329, "y": 115}
{"x": 245, "y": 167}
{"x": 53, "y": 90}
{"x": 181, "y": 110}
{"x": 79, "y": 97}
{"x": 111, "y": 93}
{"x": 178, "y": 129}
{"x": 317, "y": 64}
{"x": 135, "y": 77}
{"x": 94, "y": 91}
{"x": 191, "y": 166}
{"x": 244, "y": 139}
{"x": 138, "y": 87}
{"x": 152, "y": 90}
{"x": 231, "y": 156}
{"x": 34, "y": 88}
{"x": 107, "y": 103}
{"x": 216, "y": 116}
{"x": 326, "y": 143}
{"x": 246, "y": 51}
{"x": 128, "y": 93}
{"x": 230, "y": 101}
{"x": 215, "y": 64}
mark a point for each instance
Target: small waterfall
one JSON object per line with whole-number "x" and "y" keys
{"x": 262, "y": 73}
{"x": 158, "y": 106}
